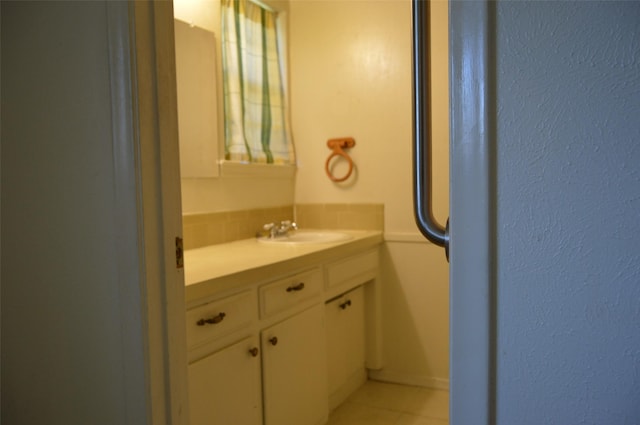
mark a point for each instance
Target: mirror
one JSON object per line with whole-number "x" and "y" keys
{"x": 197, "y": 100}
{"x": 200, "y": 22}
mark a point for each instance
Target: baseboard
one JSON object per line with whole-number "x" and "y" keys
{"x": 405, "y": 379}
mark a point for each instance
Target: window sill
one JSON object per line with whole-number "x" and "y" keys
{"x": 231, "y": 169}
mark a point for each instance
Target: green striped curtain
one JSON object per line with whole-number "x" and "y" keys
{"x": 255, "y": 124}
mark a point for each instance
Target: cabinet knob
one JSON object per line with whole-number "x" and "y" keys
{"x": 211, "y": 320}
{"x": 254, "y": 352}
{"x": 296, "y": 287}
{"x": 273, "y": 340}
{"x": 345, "y": 304}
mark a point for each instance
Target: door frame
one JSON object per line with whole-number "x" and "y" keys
{"x": 472, "y": 206}
{"x": 472, "y": 211}
{"x": 146, "y": 164}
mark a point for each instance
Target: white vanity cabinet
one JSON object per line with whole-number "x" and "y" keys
{"x": 210, "y": 321}
{"x": 283, "y": 343}
{"x": 294, "y": 370}
{"x": 345, "y": 318}
{"x": 224, "y": 369}
{"x": 294, "y": 376}
{"x": 224, "y": 387}
{"x": 289, "y": 294}
{"x": 350, "y": 272}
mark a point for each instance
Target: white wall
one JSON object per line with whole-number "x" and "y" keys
{"x": 351, "y": 76}
{"x": 568, "y": 220}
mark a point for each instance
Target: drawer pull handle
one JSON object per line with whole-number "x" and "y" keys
{"x": 212, "y": 320}
{"x": 345, "y": 304}
{"x": 298, "y": 287}
{"x": 273, "y": 340}
{"x": 254, "y": 352}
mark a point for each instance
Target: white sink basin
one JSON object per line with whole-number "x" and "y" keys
{"x": 300, "y": 237}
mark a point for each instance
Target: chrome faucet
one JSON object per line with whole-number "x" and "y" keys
{"x": 273, "y": 230}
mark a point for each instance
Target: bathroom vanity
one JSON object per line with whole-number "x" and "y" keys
{"x": 279, "y": 334}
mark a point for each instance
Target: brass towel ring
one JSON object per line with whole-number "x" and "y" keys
{"x": 337, "y": 146}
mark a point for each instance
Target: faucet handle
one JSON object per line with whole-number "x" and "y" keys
{"x": 288, "y": 225}
{"x": 267, "y": 230}
{"x": 268, "y": 226}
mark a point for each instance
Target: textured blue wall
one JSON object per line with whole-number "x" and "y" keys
{"x": 568, "y": 172}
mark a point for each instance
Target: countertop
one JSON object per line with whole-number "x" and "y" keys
{"x": 212, "y": 269}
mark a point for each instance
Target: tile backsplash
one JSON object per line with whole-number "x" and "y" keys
{"x": 340, "y": 216}
{"x": 214, "y": 228}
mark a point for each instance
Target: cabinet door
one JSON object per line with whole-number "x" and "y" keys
{"x": 345, "y": 344}
{"x": 224, "y": 388}
{"x": 294, "y": 370}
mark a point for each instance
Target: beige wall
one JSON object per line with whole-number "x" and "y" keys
{"x": 351, "y": 76}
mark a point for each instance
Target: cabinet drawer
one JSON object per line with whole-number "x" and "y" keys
{"x": 284, "y": 293}
{"x": 220, "y": 317}
{"x": 363, "y": 265}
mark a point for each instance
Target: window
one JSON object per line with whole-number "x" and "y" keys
{"x": 255, "y": 102}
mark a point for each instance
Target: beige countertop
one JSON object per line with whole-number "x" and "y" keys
{"x": 216, "y": 268}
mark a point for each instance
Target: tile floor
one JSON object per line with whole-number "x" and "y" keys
{"x": 378, "y": 403}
